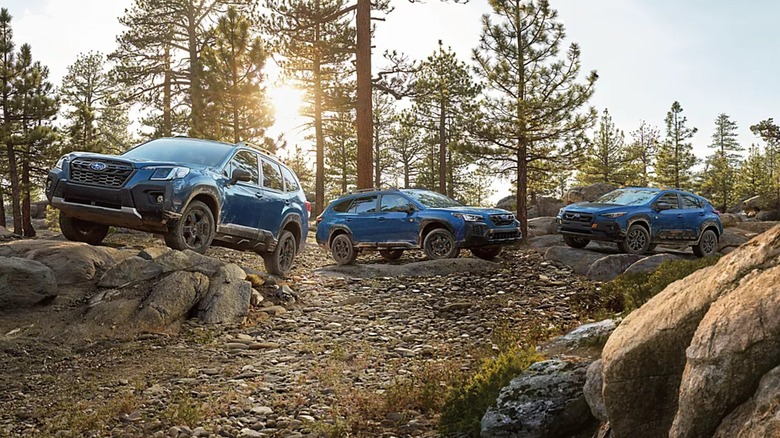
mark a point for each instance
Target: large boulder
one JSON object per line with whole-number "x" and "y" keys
{"x": 71, "y": 262}
{"x": 188, "y": 260}
{"x": 650, "y": 264}
{"x": 753, "y": 205}
{"x": 545, "y": 401}
{"x": 733, "y": 238}
{"x": 580, "y": 260}
{"x": 730, "y": 219}
{"x": 585, "y": 341}
{"x": 768, "y": 215}
{"x": 24, "y": 283}
{"x": 757, "y": 417}
{"x": 587, "y": 193}
{"x": 592, "y": 391}
{"x": 644, "y": 359}
{"x": 609, "y": 267}
{"x": 130, "y": 270}
{"x": 542, "y": 206}
{"x": 542, "y": 243}
{"x": 541, "y": 226}
{"x": 757, "y": 227}
{"x": 38, "y": 209}
{"x": 736, "y": 343}
{"x": 5, "y": 234}
{"x": 172, "y": 299}
{"x": 228, "y": 298}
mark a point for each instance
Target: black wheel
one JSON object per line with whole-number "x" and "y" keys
{"x": 79, "y": 230}
{"x": 194, "y": 230}
{"x": 440, "y": 244}
{"x": 281, "y": 260}
{"x": 708, "y": 244}
{"x": 576, "y": 242}
{"x": 637, "y": 240}
{"x": 487, "y": 252}
{"x": 391, "y": 254}
{"x": 342, "y": 250}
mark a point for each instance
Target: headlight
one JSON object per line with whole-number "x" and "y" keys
{"x": 60, "y": 162}
{"x": 469, "y": 217}
{"x": 167, "y": 173}
{"x": 613, "y": 215}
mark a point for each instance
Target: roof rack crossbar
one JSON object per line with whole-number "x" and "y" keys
{"x": 256, "y": 147}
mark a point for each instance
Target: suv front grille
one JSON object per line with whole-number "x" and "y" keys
{"x": 114, "y": 175}
{"x": 505, "y": 235}
{"x": 501, "y": 220}
{"x": 585, "y": 218}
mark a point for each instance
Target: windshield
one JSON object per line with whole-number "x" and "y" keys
{"x": 432, "y": 199}
{"x": 627, "y": 197}
{"x": 181, "y": 151}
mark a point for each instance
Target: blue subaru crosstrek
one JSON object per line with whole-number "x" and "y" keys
{"x": 638, "y": 219}
{"x": 194, "y": 192}
{"x": 392, "y": 221}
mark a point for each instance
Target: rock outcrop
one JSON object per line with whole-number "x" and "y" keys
{"x": 71, "y": 262}
{"x": 587, "y": 193}
{"x": 609, "y": 267}
{"x": 24, "y": 283}
{"x": 757, "y": 417}
{"x": 725, "y": 317}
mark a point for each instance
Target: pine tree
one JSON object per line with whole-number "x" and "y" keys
{"x": 675, "y": 155}
{"x": 752, "y": 178}
{"x": 406, "y": 148}
{"x": 236, "y": 105}
{"x": 341, "y": 152}
{"x": 296, "y": 161}
{"x": 96, "y": 120}
{"x": 531, "y": 110}
{"x": 8, "y": 73}
{"x": 770, "y": 133}
{"x": 606, "y": 158}
{"x": 641, "y": 154}
{"x": 383, "y": 122}
{"x": 719, "y": 181}
{"x": 445, "y": 101}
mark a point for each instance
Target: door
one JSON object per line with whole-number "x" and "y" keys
{"x": 244, "y": 198}
{"x": 273, "y": 200}
{"x": 362, "y": 220}
{"x": 397, "y": 220}
{"x": 668, "y": 224}
{"x": 693, "y": 215}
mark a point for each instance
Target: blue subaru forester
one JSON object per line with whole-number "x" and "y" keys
{"x": 638, "y": 219}
{"x": 392, "y": 221}
{"x": 194, "y": 192}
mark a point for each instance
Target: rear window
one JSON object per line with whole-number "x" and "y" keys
{"x": 366, "y": 204}
{"x": 272, "y": 178}
{"x": 290, "y": 183}
{"x": 342, "y": 206}
{"x": 689, "y": 202}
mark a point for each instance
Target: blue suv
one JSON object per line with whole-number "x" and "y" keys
{"x": 194, "y": 192}
{"x": 392, "y": 221}
{"x": 638, "y": 219}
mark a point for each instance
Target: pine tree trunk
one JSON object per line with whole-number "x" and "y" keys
{"x": 27, "y": 228}
{"x": 442, "y": 148}
{"x": 2, "y": 207}
{"x": 364, "y": 112}
{"x": 167, "y": 125}
{"x": 522, "y": 188}
{"x": 196, "y": 117}
{"x": 13, "y": 177}
{"x": 319, "y": 185}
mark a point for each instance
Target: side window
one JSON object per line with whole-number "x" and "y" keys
{"x": 272, "y": 178}
{"x": 366, "y": 204}
{"x": 394, "y": 203}
{"x": 290, "y": 183}
{"x": 670, "y": 198}
{"x": 689, "y": 202}
{"x": 342, "y": 206}
{"x": 245, "y": 160}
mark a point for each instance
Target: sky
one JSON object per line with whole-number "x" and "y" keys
{"x": 713, "y": 56}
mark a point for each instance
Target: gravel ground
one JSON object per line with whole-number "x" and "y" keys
{"x": 335, "y": 357}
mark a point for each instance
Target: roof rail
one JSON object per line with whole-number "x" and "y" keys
{"x": 256, "y": 147}
{"x": 372, "y": 189}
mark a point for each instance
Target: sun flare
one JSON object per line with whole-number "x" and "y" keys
{"x": 287, "y": 102}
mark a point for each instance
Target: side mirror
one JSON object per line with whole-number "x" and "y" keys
{"x": 661, "y": 206}
{"x": 240, "y": 175}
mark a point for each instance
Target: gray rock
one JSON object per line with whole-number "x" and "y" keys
{"x": 580, "y": 260}
{"x": 172, "y": 299}
{"x": 587, "y": 193}
{"x": 541, "y": 226}
{"x": 228, "y": 298}
{"x": 24, "y": 283}
{"x": 153, "y": 252}
{"x": 757, "y": 417}
{"x": 733, "y": 237}
{"x": 428, "y": 268}
{"x": 71, "y": 262}
{"x": 649, "y": 264}
{"x": 768, "y": 215}
{"x": 188, "y": 261}
{"x": 584, "y": 341}
{"x": 130, "y": 270}
{"x": 592, "y": 391}
{"x": 544, "y": 242}
{"x": 545, "y": 401}
{"x": 730, "y": 219}
{"x": 609, "y": 267}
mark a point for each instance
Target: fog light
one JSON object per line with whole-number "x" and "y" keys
{"x": 159, "y": 199}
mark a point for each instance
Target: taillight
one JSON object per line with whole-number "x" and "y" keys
{"x": 319, "y": 219}
{"x": 716, "y": 211}
{"x": 308, "y": 206}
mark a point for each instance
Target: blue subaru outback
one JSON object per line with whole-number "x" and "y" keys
{"x": 392, "y": 221}
{"x": 194, "y": 192}
{"x": 638, "y": 219}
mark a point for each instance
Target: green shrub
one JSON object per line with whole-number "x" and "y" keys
{"x": 468, "y": 401}
{"x": 628, "y": 292}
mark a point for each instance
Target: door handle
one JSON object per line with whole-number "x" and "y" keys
{"x": 679, "y": 216}
{"x": 347, "y": 220}
{"x": 259, "y": 195}
{"x": 381, "y": 219}
{"x": 701, "y": 213}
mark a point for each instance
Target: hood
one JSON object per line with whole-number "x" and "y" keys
{"x": 590, "y": 207}
{"x": 136, "y": 163}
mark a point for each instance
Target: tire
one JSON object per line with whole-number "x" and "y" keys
{"x": 194, "y": 230}
{"x": 78, "y": 230}
{"x": 391, "y": 254}
{"x": 708, "y": 244}
{"x": 487, "y": 252}
{"x": 440, "y": 244}
{"x": 652, "y": 246}
{"x": 280, "y": 261}
{"x": 342, "y": 250}
{"x": 637, "y": 240}
{"x": 575, "y": 242}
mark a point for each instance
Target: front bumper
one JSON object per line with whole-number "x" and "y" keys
{"x": 134, "y": 207}
{"x": 480, "y": 234}
{"x": 601, "y": 230}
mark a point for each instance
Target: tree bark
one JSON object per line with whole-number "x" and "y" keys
{"x": 2, "y": 207}
{"x": 442, "y": 148}
{"x": 364, "y": 112}
{"x": 319, "y": 184}
{"x": 27, "y": 228}
{"x": 196, "y": 117}
{"x": 167, "y": 125}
